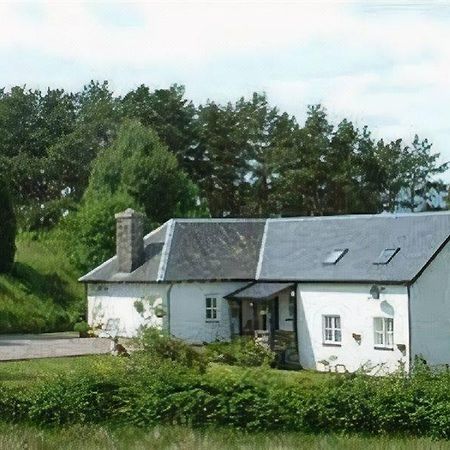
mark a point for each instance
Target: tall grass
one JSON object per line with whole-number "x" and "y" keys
{"x": 83, "y": 437}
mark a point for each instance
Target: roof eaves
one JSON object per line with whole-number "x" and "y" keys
{"x": 93, "y": 271}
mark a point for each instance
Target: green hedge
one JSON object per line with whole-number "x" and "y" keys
{"x": 167, "y": 392}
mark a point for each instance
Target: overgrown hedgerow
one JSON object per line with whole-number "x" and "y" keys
{"x": 155, "y": 390}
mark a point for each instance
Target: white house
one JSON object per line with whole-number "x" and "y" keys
{"x": 331, "y": 293}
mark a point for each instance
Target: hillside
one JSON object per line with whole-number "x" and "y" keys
{"x": 42, "y": 293}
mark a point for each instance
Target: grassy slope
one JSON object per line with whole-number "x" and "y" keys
{"x": 42, "y": 293}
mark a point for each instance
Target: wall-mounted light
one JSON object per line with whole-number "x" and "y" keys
{"x": 375, "y": 291}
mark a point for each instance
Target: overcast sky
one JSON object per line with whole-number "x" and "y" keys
{"x": 384, "y": 64}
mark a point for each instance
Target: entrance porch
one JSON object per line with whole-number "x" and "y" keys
{"x": 267, "y": 312}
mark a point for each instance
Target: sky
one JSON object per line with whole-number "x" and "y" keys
{"x": 384, "y": 64}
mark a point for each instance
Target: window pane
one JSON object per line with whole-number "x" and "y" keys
{"x": 389, "y": 339}
{"x": 378, "y": 324}
{"x": 208, "y": 314}
{"x": 328, "y": 335}
{"x": 208, "y": 302}
{"x": 389, "y": 324}
{"x": 337, "y": 336}
{"x": 214, "y": 302}
{"x": 378, "y": 338}
{"x": 337, "y": 322}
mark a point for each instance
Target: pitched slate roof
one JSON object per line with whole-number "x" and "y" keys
{"x": 194, "y": 249}
{"x": 153, "y": 246}
{"x": 295, "y": 249}
{"x": 286, "y": 249}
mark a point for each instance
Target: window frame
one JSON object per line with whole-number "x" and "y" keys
{"x": 384, "y": 257}
{"x": 333, "y": 328}
{"x": 334, "y": 256}
{"x": 214, "y": 308}
{"x": 386, "y": 333}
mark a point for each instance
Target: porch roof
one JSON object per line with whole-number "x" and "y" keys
{"x": 259, "y": 291}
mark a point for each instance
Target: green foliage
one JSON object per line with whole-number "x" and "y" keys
{"x": 137, "y": 172}
{"x": 81, "y": 327}
{"x": 158, "y": 346}
{"x": 7, "y": 229}
{"x": 90, "y": 232}
{"x": 111, "y": 436}
{"x": 154, "y": 390}
{"x": 242, "y": 158}
{"x": 243, "y": 352}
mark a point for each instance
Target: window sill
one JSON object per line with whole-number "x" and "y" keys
{"x": 212, "y": 321}
{"x": 389, "y": 349}
{"x": 331, "y": 344}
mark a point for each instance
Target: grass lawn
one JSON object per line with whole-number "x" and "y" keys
{"x": 31, "y": 373}
{"x": 14, "y": 437}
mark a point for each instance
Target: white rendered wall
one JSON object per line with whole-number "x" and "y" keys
{"x": 117, "y": 301}
{"x": 188, "y": 313}
{"x": 430, "y": 311}
{"x": 355, "y": 306}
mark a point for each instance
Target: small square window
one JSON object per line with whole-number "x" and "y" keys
{"x": 383, "y": 332}
{"x": 332, "y": 333}
{"x": 336, "y": 255}
{"x": 212, "y": 311}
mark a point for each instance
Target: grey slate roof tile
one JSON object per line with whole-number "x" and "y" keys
{"x": 292, "y": 249}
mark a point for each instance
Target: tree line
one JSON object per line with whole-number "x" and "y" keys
{"x": 80, "y": 155}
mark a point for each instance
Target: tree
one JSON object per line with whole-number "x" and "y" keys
{"x": 171, "y": 115}
{"x": 409, "y": 172}
{"x": 90, "y": 233}
{"x": 139, "y": 164}
{"x": 137, "y": 171}
{"x": 7, "y": 229}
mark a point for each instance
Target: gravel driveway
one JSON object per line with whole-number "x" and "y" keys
{"x": 27, "y": 346}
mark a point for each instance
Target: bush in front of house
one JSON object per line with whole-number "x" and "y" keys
{"x": 242, "y": 351}
{"x": 155, "y": 390}
{"x": 158, "y": 345}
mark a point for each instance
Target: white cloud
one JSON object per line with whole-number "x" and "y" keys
{"x": 377, "y": 63}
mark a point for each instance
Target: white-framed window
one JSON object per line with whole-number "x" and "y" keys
{"x": 212, "y": 308}
{"x": 332, "y": 333}
{"x": 383, "y": 328}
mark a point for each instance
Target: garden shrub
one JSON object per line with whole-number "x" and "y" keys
{"x": 242, "y": 351}
{"x": 156, "y": 390}
{"x": 158, "y": 345}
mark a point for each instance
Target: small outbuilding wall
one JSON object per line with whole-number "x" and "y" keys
{"x": 430, "y": 311}
{"x": 357, "y": 309}
{"x": 116, "y": 303}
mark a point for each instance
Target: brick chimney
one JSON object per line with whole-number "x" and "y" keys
{"x": 129, "y": 240}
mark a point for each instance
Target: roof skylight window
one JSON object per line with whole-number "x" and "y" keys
{"x": 335, "y": 255}
{"x": 386, "y": 255}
